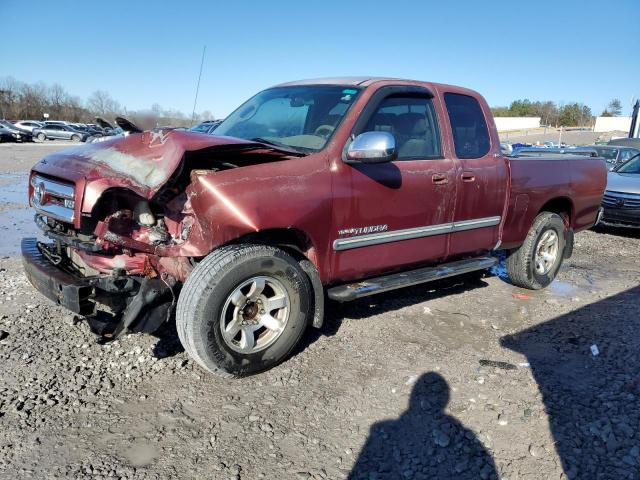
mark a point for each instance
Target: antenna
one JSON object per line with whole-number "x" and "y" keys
{"x": 195, "y": 101}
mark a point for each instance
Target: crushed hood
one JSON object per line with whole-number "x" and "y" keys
{"x": 142, "y": 162}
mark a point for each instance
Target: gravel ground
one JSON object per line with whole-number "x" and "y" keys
{"x": 469, "y": 378}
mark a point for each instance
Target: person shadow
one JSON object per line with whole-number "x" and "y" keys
{"x": 424, "y": 443}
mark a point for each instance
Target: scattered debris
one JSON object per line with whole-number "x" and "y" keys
{"x": 524, "y": 365}
{"x": 497, "y": 364}
{"x": 594, "y": 350}
{"x": 521, "y": 296}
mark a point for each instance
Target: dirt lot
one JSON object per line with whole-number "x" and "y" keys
{"x": 402, "y": 385}
{"x": 571, "y": 137}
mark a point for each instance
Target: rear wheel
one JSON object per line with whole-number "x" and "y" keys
{"x": 75, "y": 138}
{"x": 243, "y": 309}
{"x": 536, "y": 262}
{"x": 41, "y": 137}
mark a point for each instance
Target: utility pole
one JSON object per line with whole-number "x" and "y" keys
{"x": 560, "y": 139}
{"x": 195, "y": 101}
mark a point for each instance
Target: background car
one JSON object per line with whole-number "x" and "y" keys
{"x": 621, "y": 200}
{"x": 92, "y": 131}
{"x": 28, "y": 124}
{"x": 59, "y": 131}
{"x": 206, "y": 127}
{"x": 21, "y": 135}
{"x": 615, "y": 155}
{"x": 625, "y": 142}
{"x": 506, "y": 148}
{"x": 7, "y": 135}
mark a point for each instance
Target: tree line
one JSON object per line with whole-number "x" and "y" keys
{"x": 569, "y": 115}
{"x": 30, "y": 101}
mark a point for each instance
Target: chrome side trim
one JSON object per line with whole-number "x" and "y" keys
{"x": 412, "y": 233}
{"x": 477, "y": 223}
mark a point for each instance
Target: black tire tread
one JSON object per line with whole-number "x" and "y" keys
{"x": 519, "y": 260}
{"x": 197, "y": 283}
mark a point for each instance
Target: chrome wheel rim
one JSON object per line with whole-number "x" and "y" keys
{"x": 546, "y": 252}
{"x": 255, "y": 314}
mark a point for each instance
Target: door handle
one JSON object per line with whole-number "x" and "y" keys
{"x": 468, "y": 177}
{"x": 439, "y": 179}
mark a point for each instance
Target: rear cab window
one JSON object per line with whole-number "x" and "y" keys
{"x": 468, "y": 125}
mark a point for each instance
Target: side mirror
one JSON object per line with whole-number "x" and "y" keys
{"x": 372, "y": 147}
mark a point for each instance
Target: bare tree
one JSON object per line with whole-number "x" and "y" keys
{"x": 614, "y": 107}
{"x": 19, "y": 100}
{"x": 101, "y": 103}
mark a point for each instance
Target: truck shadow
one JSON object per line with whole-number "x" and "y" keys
{"x": 424, "y": 442}
{"x": 592, "y": 400}
{"x": 363, "y": 308}
{"x": 618, "y": 231}
{"x": 169, "y": 345}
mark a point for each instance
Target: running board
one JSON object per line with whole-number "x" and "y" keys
{"x": 351, "y": 291}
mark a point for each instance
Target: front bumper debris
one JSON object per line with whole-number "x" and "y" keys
{"x": 140, "y": 303}
{"x": 63, "y": 288}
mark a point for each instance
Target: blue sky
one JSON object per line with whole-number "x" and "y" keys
{"x": 149, "y": 52}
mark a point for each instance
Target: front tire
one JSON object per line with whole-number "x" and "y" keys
{"x": 536, "y": 262}
{"x": 243, "y": 309}
{"x": 41, "y": 137}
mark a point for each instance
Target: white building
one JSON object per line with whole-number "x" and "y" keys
{"x": 504, "y": 124}
{"x": 611, "y": 124}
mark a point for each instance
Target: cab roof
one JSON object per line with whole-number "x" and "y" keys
{"x": 365, "y": 81}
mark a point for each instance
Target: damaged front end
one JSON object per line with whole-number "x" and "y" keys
{"x": 137, "y": 303}
{"x": 123, "y": 234}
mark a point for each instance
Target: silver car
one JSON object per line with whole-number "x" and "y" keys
{"x": 59, "y": 131}
{"x": 621, "y": 201}
{"x": 615, "y": 155}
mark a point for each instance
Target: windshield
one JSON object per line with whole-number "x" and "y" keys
{"x": 632, "y": 166}
{"x": 607, "y": 153}
{"x": 299, "y": 117}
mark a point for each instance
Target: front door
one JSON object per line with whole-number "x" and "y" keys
{"x": 390, "y": 215}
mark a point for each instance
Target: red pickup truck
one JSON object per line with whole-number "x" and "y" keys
{"x": 338, "y": 187}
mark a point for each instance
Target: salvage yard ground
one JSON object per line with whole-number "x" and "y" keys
{"x": 469, "y": 378}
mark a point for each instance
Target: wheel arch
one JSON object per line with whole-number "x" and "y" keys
{"x": 297, "y": 243}
{"x": 562, "y": 206}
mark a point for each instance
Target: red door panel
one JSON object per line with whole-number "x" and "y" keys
{"x": 391, "y": 197}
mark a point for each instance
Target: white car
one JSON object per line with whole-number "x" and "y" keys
{"x": 28, "y": 124}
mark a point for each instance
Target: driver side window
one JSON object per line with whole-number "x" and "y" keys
{"x": 412, "y": 121}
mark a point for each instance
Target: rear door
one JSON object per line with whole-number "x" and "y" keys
{"x": 482, "y": 178}
{"x": 62, "y": 132}
{"x": 65, "y": 132}
{"x": 52, "y": 131}
{"x": 390, "y": 215}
